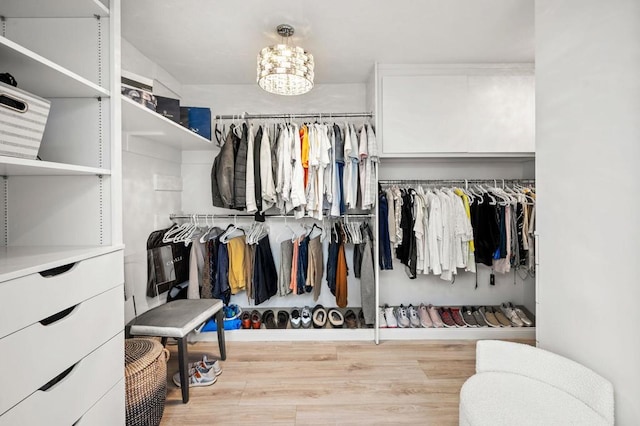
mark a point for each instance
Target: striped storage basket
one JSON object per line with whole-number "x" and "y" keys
{"x": 22, "y": 120}
{"x": 146, "y": 381}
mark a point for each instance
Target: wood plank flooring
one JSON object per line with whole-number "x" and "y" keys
{"x": 327, "y": 383}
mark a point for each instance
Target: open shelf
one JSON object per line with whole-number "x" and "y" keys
{"x": 16, "y": 262}
{"x": 138, "y": 120}
{"x": 464, "y": 333}
{"x": 289, "y": 334}
{"x": 52, "y": 9}
{"x": 12, "y": 166}
{"x": 43, "y": 77}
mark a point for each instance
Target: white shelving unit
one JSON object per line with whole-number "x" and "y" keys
{"x": 37, "y": 74}
{"x": 60, "y": 220}
{"x": 12, "y": 166}
{"x": 138, "y": 120}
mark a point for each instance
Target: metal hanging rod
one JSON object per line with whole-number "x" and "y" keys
{"x": 247, "y": 116}
{"x": 495, "y": 182}
{"x": 200, "y": 216}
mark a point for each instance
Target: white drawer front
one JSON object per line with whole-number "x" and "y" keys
{"x": 27, "y": 300}
{"x": 35, "y": 355}
{"x": 109, "y": 411}
{"x": 66, "y": 401}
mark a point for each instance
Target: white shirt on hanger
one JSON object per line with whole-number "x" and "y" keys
{"x": 266, "y": 172}
{"x": 298, "y": 199}
{"x": 435, "y": 232}
{"x": 250, "y": 184}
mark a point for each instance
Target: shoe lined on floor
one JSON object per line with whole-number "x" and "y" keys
{"x": 489, "y": 316}
{"x": 502, "y": 319}
{"x": 361, "y": 321}
{"x": 479, "y": 318}
{"x": 467, "y": 317}
{"x": 319, "y": 316}
{"x": 246, "y": 320}
{"x": 447, "y": 317}
{"x": 336, "y": 319}
{"x": 436, "y": 319}
{"x": 425, "y": 319}
{"x": 196, "y": 379}
{"x": 305, "y": 317}
{"x": 206, "y": 366}
{"x": 413, "y": 316}
{"x": 256, "y": 319}
{"x": 523, "y": 317}
{"x": 401, "y": 317}
{"x": 283, "y": 319}
{"x": 457, "y": 317}
{"x": 269, "y": 319}
{"x": 511, "y": 315}
{"x": 295, "y": 318}
{"x": 382, "y": 321}
{"x": 350, "y": 319}
{"x": 390, "y": 317}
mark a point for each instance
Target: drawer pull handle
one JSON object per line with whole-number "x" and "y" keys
{"x": 51, "y": 383}
{"x": 12, "y": 103}
{"x": 57, "y": 317}
{"x": 57, "y": 270}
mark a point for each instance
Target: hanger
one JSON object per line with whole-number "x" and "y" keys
{"x": 316, "y": 228}
{"x": 168, "y": 235}
{"x": 205, "y": 235}
{"x": 226, "y": 235}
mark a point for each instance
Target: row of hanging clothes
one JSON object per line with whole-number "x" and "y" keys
{"x": 312, "y": 170}
{"x": 438, "y": 229}
{"x": 221, "y": 262}
{"x": 302, "y": 264}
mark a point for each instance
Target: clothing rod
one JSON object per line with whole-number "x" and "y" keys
{"x": 247, "y": 116}
{"x": 454, "y": 181}
{"x": 251, "y": 216}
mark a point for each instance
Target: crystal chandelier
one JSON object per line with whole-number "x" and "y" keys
{"x": 284, "y": 69}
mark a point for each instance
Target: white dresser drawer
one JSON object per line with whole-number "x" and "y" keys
{"x": 68, "y": 399}
{"x": 34, "y": 355}
{"x": 109, "y": 411}
{"x": 28, "y": 299}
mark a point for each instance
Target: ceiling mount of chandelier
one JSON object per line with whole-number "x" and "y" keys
{"x": 284, "y": 69}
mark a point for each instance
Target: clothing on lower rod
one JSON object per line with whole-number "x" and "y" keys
{"x": 303, "y": 259}
{"x": 316, "y": 266}
{"x": 367, "y": 283}
{"x": 284, "y": 277}
{"x": 383, "y": 230}
{"x": 265, "y": 275}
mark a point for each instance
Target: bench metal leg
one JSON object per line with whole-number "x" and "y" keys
{"x": 220, "y": 326}
{"x": 183, "y": 361}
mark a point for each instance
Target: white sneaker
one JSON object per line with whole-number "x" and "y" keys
{"x": 381, "y": 319}
{"x": 511, "y": 315}
{"x": 207, "y": 366}
{"x": 389, "y": 317}
{"x": 402, "y": 317}
{"x": 525, "y": 319}
{"x": 413, "y": 317}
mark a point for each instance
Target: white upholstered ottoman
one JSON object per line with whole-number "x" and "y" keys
{"x": 517, "y": 384}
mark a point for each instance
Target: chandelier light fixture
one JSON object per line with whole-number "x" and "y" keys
{"x": 284, "y": 69}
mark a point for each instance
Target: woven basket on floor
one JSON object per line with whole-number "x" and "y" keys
{"x": 146, "y": 381}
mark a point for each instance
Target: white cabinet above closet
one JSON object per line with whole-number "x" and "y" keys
{"x": 455, "y": 110}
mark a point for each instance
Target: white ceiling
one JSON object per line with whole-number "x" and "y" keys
{"x": 217, "y": 41}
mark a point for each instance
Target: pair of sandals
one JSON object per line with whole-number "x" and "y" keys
{"x": 321, "y": 316}
{"x": 272, "y": 321}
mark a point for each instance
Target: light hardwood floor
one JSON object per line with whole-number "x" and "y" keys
{"x": 327, "y": 383}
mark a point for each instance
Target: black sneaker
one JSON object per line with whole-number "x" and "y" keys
{"x": 467, "y": 317}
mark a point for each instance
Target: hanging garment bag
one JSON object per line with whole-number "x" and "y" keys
{"x": 167, "y": 264}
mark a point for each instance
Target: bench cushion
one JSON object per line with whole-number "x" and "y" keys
{"x": 175, "y": 319}
{"x": 494, "y": 398}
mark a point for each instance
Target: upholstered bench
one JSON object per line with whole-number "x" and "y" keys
{"x": 177, "y": 319}
{"x": 517, "y": 384}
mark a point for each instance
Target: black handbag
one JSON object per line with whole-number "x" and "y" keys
{"x": 167, "y": 264}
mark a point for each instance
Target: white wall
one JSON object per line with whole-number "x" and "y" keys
{"x": 144, "y": 208}
{"x": 588, "y": 146}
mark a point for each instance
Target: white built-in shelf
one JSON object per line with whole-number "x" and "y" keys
{"x": 289, "y": 334}
{"x": 140, "y": 121}
{"x": 52, "y": 9}
{"x": 16, "y": 262}
{"x": 464, "y": 333}
{"x": 43, "y": 77}
{"x": 12, "y": 166}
